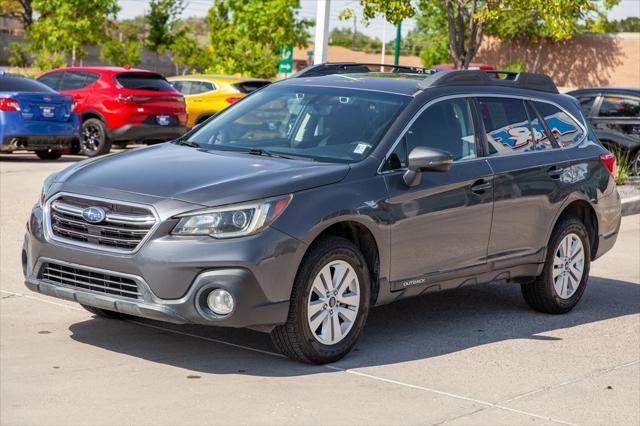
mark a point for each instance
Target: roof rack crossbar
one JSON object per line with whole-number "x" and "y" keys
{"x": 522, "y": 80}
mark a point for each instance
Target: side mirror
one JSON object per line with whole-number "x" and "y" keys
{"x": 422, "y": 159}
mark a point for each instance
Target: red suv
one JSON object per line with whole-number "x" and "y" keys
{"x": 119, "y": 105}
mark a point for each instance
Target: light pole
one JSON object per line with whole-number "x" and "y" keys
{"x": 396, "y": 51}
{"x": 323, "y": 10}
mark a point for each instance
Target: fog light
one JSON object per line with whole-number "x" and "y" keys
{"x": 220, "y": 301}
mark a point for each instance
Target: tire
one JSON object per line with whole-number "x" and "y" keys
{"x": 94, "y": 140}
{"x": 48, "y": 154}
{"x": 561, "y": 295}
{"x": 635, "y": 163}
{"x": 295, "y": 338}
{"x": 104, "y": 313}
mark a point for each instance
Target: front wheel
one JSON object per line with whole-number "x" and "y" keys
{"x": 566, "y": 270}
{"x": 94, "y": 140}
{"x": 48, "y": 154}
{"x": 329, "y": 304}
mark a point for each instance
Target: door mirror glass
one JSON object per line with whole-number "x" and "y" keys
{"x": 423, "y": 159}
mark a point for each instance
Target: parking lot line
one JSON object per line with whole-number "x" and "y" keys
{"x": 486, "y": 404}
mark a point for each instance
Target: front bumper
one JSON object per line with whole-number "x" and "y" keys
{"x": 174, "y": 275}
{"x": 146, "y": 132}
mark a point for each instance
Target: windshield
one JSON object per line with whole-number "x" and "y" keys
{"x": 320, "y": 123}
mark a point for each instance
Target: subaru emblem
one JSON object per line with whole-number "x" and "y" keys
{"x": 94, "y": 214}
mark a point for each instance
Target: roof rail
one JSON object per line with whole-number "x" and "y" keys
{"x": 328, "y": 68}
{"x": 522, "y": 80}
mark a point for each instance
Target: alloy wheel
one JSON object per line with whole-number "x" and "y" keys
{"x": 568, "y": 266}
{"x": 333, "y": 302}
{"x": 91, "y": 138}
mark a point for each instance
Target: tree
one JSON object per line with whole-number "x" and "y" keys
{"x": 346, "y": 38}
{"x": 20, "y": 9}
{"x": 466, "y": 20}
{"x": 246, "y": 35}
{"x": 188, "y": 54}
{"x": 125, "y": 52}
{"x": 162, "y": 20}
{"x": 66, "y": 26}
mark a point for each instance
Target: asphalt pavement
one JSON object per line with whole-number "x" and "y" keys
{"x": 476, "y": 355}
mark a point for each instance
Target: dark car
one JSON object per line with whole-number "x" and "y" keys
{"x": 34, "y": 117}
{"x": 614, "y": 113}
{"x": 120, "y": 105}
{"x": 311, "y": 200}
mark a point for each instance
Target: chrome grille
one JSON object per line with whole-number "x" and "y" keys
{"x": 123, "y": 228}
{"x": 89, "y": 280}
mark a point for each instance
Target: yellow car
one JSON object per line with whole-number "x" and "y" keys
{"x": 206, "y": 95}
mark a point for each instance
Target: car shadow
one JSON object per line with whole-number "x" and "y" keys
{"x": 32, "y": 158}
{"x": 429, "y": 326}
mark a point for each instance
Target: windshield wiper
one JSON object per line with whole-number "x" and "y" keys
{"x": 264, "y": 152}
{"x": 186, "y": 142}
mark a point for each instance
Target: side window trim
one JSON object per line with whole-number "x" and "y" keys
{"x": 552, "y": 137}
{"x": 475, "y": 96}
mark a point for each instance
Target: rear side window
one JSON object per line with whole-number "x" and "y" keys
{"x": 22, "y": 84}
{"x": 615, "y": 106}
{"x": 144, "y": 81}
{"x": 565, "y": 130}
{"x": 586, "y": 103}
{"x": 52, "y": 79}
{"x": 507, "y": 125}
{"x": 73, "y": 80}
{"x": 249, "y": 86}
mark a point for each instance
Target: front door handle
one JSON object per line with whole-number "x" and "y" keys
{"x": 555, "y": 172}
{"x": 480, "y": 186}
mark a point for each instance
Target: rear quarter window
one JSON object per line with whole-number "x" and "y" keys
{"x": 144, "y": 81}
{"x": 564, "y": 128}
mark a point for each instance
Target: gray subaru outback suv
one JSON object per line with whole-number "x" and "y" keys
{"x": 314, "y": 199}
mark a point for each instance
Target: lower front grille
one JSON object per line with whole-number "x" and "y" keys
{"x": 100, "y": 282}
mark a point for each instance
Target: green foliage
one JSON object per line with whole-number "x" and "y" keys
{"x": 162, "y": 21}
{"x": 627, "y": 25}
{"x": 394, "y": 11}
{"x": 246, "y": 35}
{"x": 344, "y": 37}
{"x": 18, "y": 54}
{"x": 515, "y": 67}
{"x": 187, "y": 54}
{"x": 66, "y": 26}
{"x": 121, "y": 53}
{"x": 624, "y": 166}
{"x": 46, "y": 60}
{"x": 431, "y": 27}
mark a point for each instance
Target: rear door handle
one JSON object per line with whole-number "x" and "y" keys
{"x": 480, "y": 186}
{"x": 555, "y": 172}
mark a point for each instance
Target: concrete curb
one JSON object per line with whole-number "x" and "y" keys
{"x": 630, "y": 197}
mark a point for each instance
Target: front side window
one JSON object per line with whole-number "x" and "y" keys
{"x": 321, "y": 123}
{"x": 445, "y": 125}
{"x": 198, "y": 87}
{"x": 507, "y": 125}
{"x": 564, "y": 129}
{"x": 616, "y": 106}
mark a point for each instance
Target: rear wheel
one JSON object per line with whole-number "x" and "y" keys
{"x": 48, "y": 154}
{"x": 329, "y": 304}
{"x": 94, "y": 140}
{"x": 566, "y": 270}
{"x": 104, "y": 313}
{"x": 635, "y": 163}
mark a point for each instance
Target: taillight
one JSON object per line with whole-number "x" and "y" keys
{"x": 609, "y": 161}
{"x": 233, "y": 99}
{"x": 131, "y": 99}
{"x": 73, "y": 106}
{"x": 8, "y": 104}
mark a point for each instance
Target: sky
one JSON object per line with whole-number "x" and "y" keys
{"x": 376, "y": 28}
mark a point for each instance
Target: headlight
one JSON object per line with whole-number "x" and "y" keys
{"x": 45, "y": 187}
{"x": 231, "y": 221}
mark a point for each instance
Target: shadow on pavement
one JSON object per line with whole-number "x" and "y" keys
{"x": 428, "y": 326}
{"x": 32, "y": 158}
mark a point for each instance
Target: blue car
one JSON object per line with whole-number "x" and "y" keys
{"x": 34, "y": 117}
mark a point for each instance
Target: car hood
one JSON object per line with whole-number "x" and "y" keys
{"x": 208, "y": 178}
